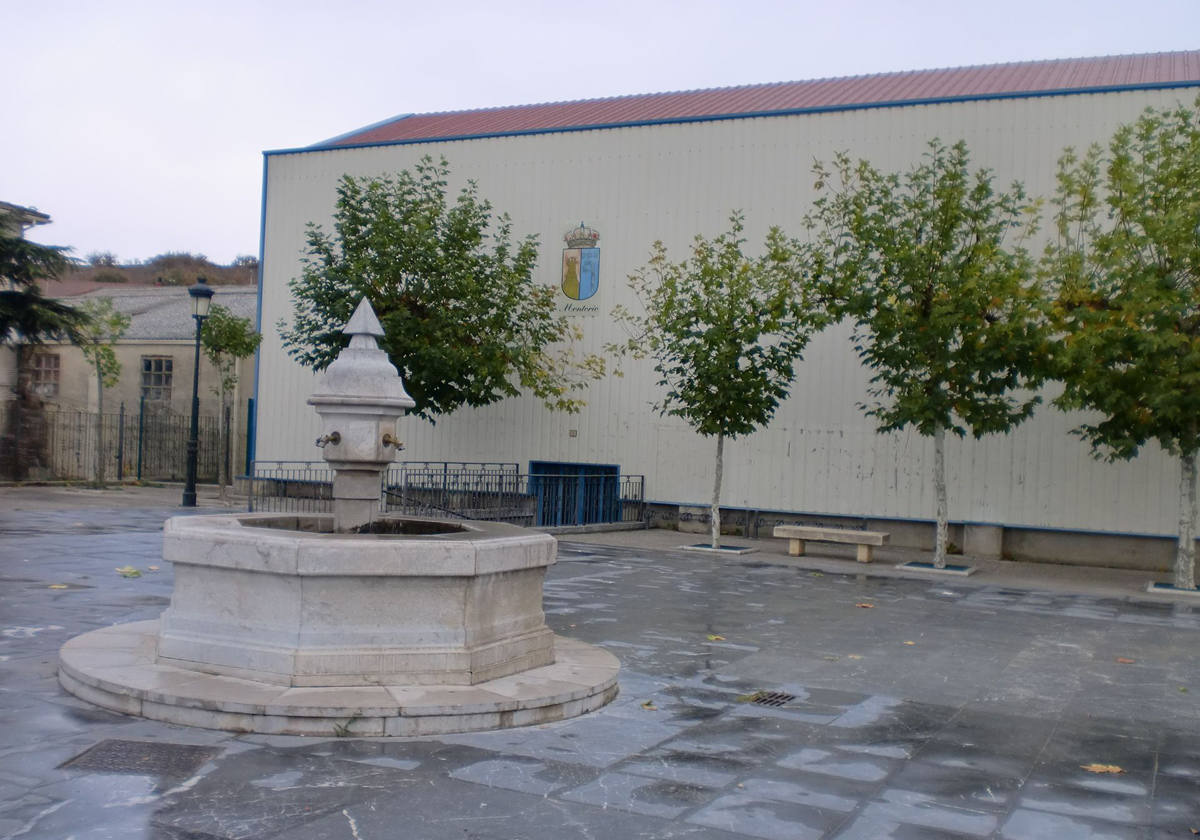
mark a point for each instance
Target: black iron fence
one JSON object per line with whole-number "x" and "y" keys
{"x": 306, "y": 486}
{"x": 496, "y": 496}
{"x": 450, "y": 490}
{"x": 290, "y": 487}
{"x": 48, "y": 443}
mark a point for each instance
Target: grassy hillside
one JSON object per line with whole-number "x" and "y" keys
{"x": 176, "y": 269}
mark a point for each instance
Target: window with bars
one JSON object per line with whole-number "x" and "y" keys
{"x": 44, "y": 371}
{"x": 156, "y": 377}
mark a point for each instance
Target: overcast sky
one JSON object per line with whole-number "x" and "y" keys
{"x": 139, "y": 127}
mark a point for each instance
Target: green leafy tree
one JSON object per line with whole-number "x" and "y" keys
{"x": 1126, "y": 262}
{"x": 105, "y": 325}
{"x": 947, "y": 312}
{"x": 226, "y": 339}
{"x": 465, "y": 322}
{"x": 724, "y": 331}
{"x": 26, "y": 315}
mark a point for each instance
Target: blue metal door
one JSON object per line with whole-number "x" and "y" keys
{"x": 575, "y": 494}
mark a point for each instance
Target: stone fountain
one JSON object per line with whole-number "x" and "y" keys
{"x": 352, "y": 623}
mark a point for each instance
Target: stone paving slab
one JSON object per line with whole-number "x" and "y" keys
{"x": 947, "y": 709}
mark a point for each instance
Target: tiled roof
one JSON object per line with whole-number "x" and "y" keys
{"x": 165, "y": 312}
{"x": 31, "y": 213}
{"x": 987, "y": 81}
{"x": 14, "y": 218}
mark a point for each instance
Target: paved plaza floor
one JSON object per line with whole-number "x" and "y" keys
{"x": 760, "y": 697}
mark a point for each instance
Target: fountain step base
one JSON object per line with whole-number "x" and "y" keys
{"x": 116, "y": 668}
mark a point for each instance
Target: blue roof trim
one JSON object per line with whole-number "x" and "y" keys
{"x": 896, "y": 103}
{"x": 252, "y": 444}
{"x": 332, "y": 140}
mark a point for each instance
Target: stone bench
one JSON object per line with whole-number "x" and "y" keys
{"x": 797, "y": 535}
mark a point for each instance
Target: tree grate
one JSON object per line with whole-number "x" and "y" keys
{"x": 771, "y": 698}
{"x": 148, "y": 758}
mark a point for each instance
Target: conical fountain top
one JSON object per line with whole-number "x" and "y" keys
{"x": 363, "y": 321}
{"x": 362, "y": 375}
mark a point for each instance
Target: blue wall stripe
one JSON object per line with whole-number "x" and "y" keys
{"x": 252, "y": 441}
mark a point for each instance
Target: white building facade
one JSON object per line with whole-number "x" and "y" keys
{"x": 663, "y": 173}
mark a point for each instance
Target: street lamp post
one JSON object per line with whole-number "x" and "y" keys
{"x": 201, "y": 294}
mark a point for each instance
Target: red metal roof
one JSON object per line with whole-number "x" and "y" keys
{"x": 1016, "y": 79}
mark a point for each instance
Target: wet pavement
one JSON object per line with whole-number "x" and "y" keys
{"x": 759, "y": 698}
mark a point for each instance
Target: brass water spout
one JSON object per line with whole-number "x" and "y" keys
{"x": 333, "y": 437}
{"x": 389, "y": 440}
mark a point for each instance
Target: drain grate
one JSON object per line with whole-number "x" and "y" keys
{"x": 771, "y": 698}
{"x": 145, "y": 758}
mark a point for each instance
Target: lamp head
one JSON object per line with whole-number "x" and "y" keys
{"x": 201, "y": 294}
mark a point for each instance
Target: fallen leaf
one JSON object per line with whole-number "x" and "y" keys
{"x": 831, "y": 658}
{"x": 1102, "y": 768}
{"x": 58, "y": 586}
{"x": 155, "y": 569}
{"x": 1183, "y": 689}
{"x": 128, "y": 572}
{"x": 865, "y": 606}
{"x": 713, "y": 637}
{"x": 1194, "y": 830}
{"x": 910, "y": 643}
{"x": 853, "y": 656}
{"x": 814, "y": 574}
{"x": 1125, "y": 661}
{"x": 649, "y": 706}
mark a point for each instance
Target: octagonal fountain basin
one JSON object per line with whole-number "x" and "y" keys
{"x": 278, "y": 624}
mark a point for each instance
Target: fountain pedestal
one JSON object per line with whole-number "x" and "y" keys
{"x": 359, "y": 399}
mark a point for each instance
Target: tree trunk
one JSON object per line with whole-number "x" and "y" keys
{"x": 939, "y": 490}
{"x": 99, "y": 428}
{"x": 716, "y": 497}
{"x": 1185, "y": 549}
{"x": 223, "y": 452}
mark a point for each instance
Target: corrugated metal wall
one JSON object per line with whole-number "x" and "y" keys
{"x": 670, "y": 182}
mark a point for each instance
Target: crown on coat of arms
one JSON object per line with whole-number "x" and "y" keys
{"x": 582, "y": 237}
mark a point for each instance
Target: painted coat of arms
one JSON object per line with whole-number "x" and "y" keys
{"x": 581, "y": 263}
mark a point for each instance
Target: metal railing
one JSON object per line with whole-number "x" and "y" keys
{"x": 538, "y": 500}
{"x": 290, "y": 487}
{"x": 148, "y": 444}
{"x": 307, "y": 486}
{"x": 495, "y": 496}
{"x": 461, "y": 490}
{"x": 398, "y": 473}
